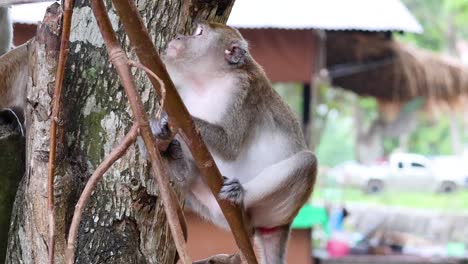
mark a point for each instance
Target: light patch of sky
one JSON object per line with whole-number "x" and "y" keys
{"x": 29, "y": 13}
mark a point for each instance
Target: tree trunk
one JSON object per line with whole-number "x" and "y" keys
{"x": 457, "y": 145}
{"x": 369, "y": 142}
{"x": 124, "y": 221}
{"x": 455, "y": 136}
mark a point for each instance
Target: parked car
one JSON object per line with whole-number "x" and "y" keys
{"x": 405, "y": 171}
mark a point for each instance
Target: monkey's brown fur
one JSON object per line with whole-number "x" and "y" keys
{"x": 13, "y": 77}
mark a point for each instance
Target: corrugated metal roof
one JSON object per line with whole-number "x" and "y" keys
{"x": 29, "y": 13}
{"x": 370, "y": 15}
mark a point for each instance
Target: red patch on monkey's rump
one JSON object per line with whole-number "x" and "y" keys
{"x": 267, "y": 230}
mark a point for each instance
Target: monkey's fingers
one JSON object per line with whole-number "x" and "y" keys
{"x": 232, "y": 191}
{"x": 160, "y": 127}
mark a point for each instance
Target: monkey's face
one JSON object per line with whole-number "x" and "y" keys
{"x": 189, "y": 48}
{"x": 212, "y": 47}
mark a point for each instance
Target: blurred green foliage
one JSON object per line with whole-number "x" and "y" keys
{"x": 337, "y": 142}
{"x": 292, "y": 93}
{"x": 441, "y": 20}
{"x": 444, "y": 23}
{"x": 431, "y": 138}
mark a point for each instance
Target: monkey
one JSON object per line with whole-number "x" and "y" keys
{"x": 13, "y": 83}
{"x": 13, "y": 65}
{"x": 13, "y": 74}
{"x": 254, "y": 137}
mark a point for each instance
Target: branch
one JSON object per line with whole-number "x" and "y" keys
{"x": 68, "y": 12}
{"x": 118, "y": 57}
{"x": 163, "y": 144}
{"x": 116, "y": 154}
{"x": 181, "y": 120}
{"x": 160, "y": 82}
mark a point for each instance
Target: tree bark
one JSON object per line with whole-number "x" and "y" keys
{"x": 124, "y": 221}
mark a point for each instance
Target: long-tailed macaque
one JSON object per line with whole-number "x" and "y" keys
{"x": 13, "y": 73}
{"x": 253, "y": 135}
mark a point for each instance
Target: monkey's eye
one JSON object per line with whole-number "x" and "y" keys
{"x": 198, "y": 31}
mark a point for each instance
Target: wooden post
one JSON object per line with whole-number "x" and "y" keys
{"x": 306, "y": 113}
{"x": 318, "y": 77}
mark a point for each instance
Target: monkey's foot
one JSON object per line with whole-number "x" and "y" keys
{"x": 232, "y": 191}
{"x": 177, "y": 162}
{"x": 160, "y": 127}
{"x": 221, "y": 259}
{"x": 174, "y": 150}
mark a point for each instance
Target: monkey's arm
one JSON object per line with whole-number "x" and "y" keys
{"x": 215, "y": 136}
{"x": 226, "y": 144}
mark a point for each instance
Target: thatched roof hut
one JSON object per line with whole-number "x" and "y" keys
{"x": 288, "y": 39}
{"x": 375, "y": 65}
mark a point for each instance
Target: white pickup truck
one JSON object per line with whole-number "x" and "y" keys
{"x": 405, "y": 171}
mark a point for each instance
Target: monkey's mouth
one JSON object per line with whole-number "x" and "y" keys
{"x": 172, "y": 49}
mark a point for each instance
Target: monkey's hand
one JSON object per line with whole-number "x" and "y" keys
{"x": 232, "y": 191}
{"x": 160, "y": 127}
{"x": 174, "y": 150}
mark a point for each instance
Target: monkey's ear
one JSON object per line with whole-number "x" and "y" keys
{"x": 235, "y": 54}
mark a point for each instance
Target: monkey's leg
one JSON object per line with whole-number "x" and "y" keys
{"x": 186, "y": 174}
{"x": 200, "y": 200}
{"x": 279, "y": 186}
{"x": 272, "y": 244}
